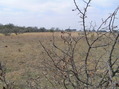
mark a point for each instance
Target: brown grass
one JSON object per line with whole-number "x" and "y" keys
{"x": 23, "y": 55}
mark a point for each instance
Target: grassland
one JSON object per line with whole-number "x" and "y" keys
{"x": 23, "y": 55}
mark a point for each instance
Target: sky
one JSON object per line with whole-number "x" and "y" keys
{"x": 52, "y": 13}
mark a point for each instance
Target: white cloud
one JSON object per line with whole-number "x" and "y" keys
{"x": 50, "y": 13}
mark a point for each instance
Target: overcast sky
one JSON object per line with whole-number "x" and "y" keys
{"x": 51, "y": 13}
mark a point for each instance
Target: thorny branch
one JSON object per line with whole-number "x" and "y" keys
{"x": 90, "y": 72}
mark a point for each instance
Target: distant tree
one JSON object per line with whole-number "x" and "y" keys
{"x": 70, "y": 30}
{"x": 9, "y": 26}
{"x": 1, "y": 28}
{"x": 7, "y": 29}
{"x": 42, "y": 29}
{"x": 16, "y": 30}
{"x": 29, "y": 29}
{"x": 58, "y": 30}
{"x": 102, "y": 31}
{"x": 6, "y": 32}
{"x": 35, "y": 29}
{"x": 52, "y": 29}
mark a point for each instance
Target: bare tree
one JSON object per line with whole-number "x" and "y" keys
{"x": 83, "y": 62}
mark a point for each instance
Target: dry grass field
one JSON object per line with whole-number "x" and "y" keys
{"x": 23, "y": 55}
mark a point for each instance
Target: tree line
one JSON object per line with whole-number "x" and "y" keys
{"x": 7, "y": 29}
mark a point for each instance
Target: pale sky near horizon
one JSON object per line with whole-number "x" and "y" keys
{"x": 52, "y": 13}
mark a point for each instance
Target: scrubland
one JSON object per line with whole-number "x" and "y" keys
{"x": 24, "y": 58}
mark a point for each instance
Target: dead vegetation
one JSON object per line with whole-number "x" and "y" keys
{"x": 63, "y": 60}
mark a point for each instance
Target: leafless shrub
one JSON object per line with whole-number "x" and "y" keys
{"x": 96, "y": 66}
